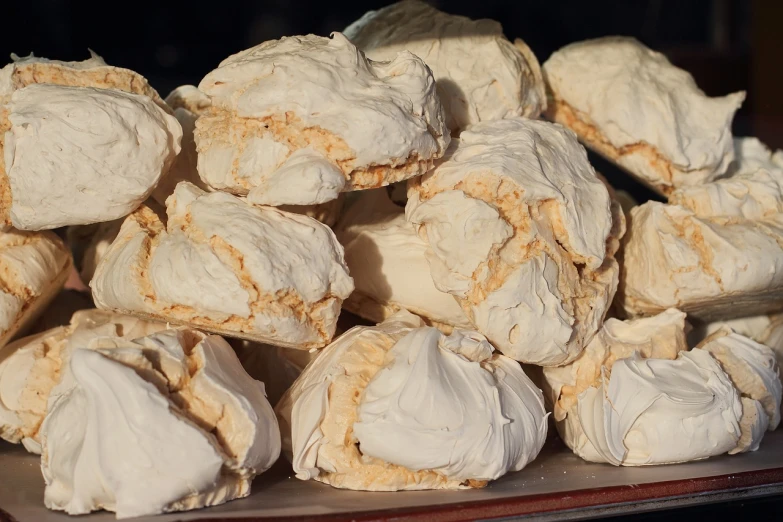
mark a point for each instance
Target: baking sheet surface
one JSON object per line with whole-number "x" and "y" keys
{"x": 556, "y": 473}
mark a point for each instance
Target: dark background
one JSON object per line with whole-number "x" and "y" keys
{"x": 727, "y": 44}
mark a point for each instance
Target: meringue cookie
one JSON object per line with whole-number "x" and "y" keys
{"x": 188, "y": 103}
{"x": 93, "y": 72}
{"x": 753, "y": 195}
{"x": 82, "y": 142}
{"x": 388, "y": 265}
{"x": 223, "y": 265}
{"x": 480, "y": 74}
{"x": 752, "y": 368}
{"x": 89, "y": 243}
{"x": 32, "y": 366}
{"x": 34, "y": 267}
{"x": 194, "y": 428}
{"x": 764, "y": 329}
{"x": 633, "y": 106}
{"x": 276, "y": 367}
{"x": 400, "y": 407}
{"x": 298, "y": 120}
{"x": 659, "y": 337}
{"x": 750, "y": 155}
{"x": 658, "y": 411}
{"x": 520, "y": 230}
{"x": 707, "y": 267}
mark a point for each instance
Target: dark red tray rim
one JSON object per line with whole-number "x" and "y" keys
{"x": 546, "y": 502}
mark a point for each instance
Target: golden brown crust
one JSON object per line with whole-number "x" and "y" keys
{"x": 218, "y": 126}
{"x": 588, "y": 133}
{"x": 6, "y": 199}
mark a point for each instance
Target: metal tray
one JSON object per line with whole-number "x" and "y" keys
{"x": 556, "y": 486}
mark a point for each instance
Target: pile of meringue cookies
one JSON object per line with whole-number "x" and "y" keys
{"x": 424, "y": 173}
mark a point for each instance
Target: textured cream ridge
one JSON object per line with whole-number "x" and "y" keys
{"x": 33, "y": 269}
{"x": 82, "y": 142}
{"x": 355, "y": 418}
{"x": 221, "y": 264}
{"x": 764, "y": 329}
{"x": 298, "y": 120}
{"x": 193, "y": 426}
{"x": 709, "y": 267}
{"x": 522, "y": 232}
{"x": 752, "y": 367}
{"x": 389, "y": 267}
{"x": 659, "y": 337}
{"x": 480, "y": 75}
{"x": 632, "y": 105}
{"x": 32, "y": 366}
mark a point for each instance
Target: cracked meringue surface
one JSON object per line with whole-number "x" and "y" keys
{"x": 764, "y": 329}
{"x": 659, "y": 337}
{"x": 389, "y": 267}
{"x": 194, "y": 428}
{"x": 400, "y": 406}
{"x": 33, "y": 269}
{"x": 521, "y": 231}
{"x": 752, "y": 368}
{"x": 31, "y": 367}
{"x": 479, "y": 73}
{"x": 708, "y": 267}
{"x": 636, "y": 396}
{"x": 221, "y": 264}
{"x": 82, "y": 142}
{"x": 298, "y": 120}
{"x": 632, "y": 105}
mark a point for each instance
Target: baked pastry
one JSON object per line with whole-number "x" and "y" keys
{"x": 388, "y": 265}
{"x": 709, "y": 267}
{"x": 634, "y": 107}
{"x": 521, "y": 231}
{"x": 658, "y": 337}
{"x": 298, "y": 120}
{"x": 32, "y": 366}
{"x": 193, "y": 427}
{"x": 752, "y": 368}
{"x": 220, "y": 264}
{"x": 480, "y": 74}
{"x": 764, "y": 329}
{"x": 399, "y": 406}
{"x": 276, "y": 367}
{"x": 83, "y": 142}
{"x": 34, "y": 267}
{"x": 188, "y": 103}
{"x": 636, "y": 397}
{"x": 750, "y": 155}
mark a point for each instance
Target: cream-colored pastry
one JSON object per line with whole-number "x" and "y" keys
{"x": 633, "y": 106}
{"x": 188, "y": 103}
{"x": 756, "y": 195}
{"x": 405, "y": 407}
{"x": 480, "y": 74}
{"x": 709, "y": 267}
{"x": 658, "y": 337}
{"x": 276, "y": 367}
{"x": 388, "y": 265}
{"x": 82, "y": 142}
{"x": 661, "y": 411}
{"x": 168, "y": 422}
{"x": 34, "y": 267}
{"x": 752, "y": 368}
{"x": 521, "y": 231}
{"x": 764, "y": 329}
{"x": 32, "y": 366}
{"x": 750, "y": 155}
{"x": 298, "y": 120}
{"x": 89, "y": 243}
{"x": 221, "y": 264}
